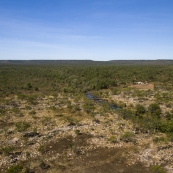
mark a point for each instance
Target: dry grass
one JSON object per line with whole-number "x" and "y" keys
{"x": 144, "y": 86}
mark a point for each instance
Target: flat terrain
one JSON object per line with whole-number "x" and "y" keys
{"x": 49, "y": 125}
{"x": 61, "y": 140}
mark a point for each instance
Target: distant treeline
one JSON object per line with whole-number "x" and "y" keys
{"x": 86, "y": 62}
{"x": 23, "y": 78}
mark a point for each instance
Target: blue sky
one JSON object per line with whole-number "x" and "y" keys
{"x": 86, "y": 29}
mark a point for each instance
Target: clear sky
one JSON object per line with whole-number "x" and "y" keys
{"x": 86, "y": 29}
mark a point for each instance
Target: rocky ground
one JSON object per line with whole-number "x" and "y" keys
{"x": 46, "y": 135}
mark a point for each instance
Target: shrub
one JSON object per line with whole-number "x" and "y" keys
{"x": 170, "y": 136}
{"x": 157, "y": 169}
{"x": 166, "y": 127}
{"x": 15, "y": 169}
{"x": 115, "y": 91}
{"x": 22, "y": 126}
{"x": 28, "y": 107}
{"x": 140, "y": 109}
{"x": 88, "y": 106}
{"x": 15, "y": 110}
{"x": 53, "y": 108}
{"x": 43, "y": 165}
{"x": 28, "y": 86}
{"x": 32, "y": 99}
{"x": 125, "y": 113}
{"x": 2, "y": 111}
{"x": 36, "y": 89}
{"x": 7, "y": 150}
{"x": 128, "y": 137}
{"x": 154, "y": 110}
{"x": 169, "y": 116}
{"x": 41, "y": 149}
{"x": 112, "y": 139}
{"x": 32, "y": 112}
{"x": 121, "y": 104}
{"x": 77, "y": 132}
{"x": 21, "y": 96}
{"x": 159, "y": 139}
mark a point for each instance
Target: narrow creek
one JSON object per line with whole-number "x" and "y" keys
{"x": 101, "y": 101}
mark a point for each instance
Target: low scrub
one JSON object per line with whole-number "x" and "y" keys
{"x": 128, "y": 137}
{"x": 15, "y": 169}
{"x": 22, "y": 126}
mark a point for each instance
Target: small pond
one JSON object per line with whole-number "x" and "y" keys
{"x": 101, "y": 101}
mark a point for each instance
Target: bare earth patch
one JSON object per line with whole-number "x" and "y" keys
{"x": 144, "y": 86}
{"x": 105, "y": 160}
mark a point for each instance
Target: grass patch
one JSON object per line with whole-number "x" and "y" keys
{"x": 159, "y": 139}
{"x": 15, "y": 169}
{"x": 112, "y": 139}
{"x": 7, "y": 150}
{"x": 128, "y": 137}
{"x": 157, "y": 169}
{"x": 22, "y": 126}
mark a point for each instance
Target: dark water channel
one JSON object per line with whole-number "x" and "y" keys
{"x": 101, "y": 101}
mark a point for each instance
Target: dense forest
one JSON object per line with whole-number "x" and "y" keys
{"x": 16, "y": 78}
